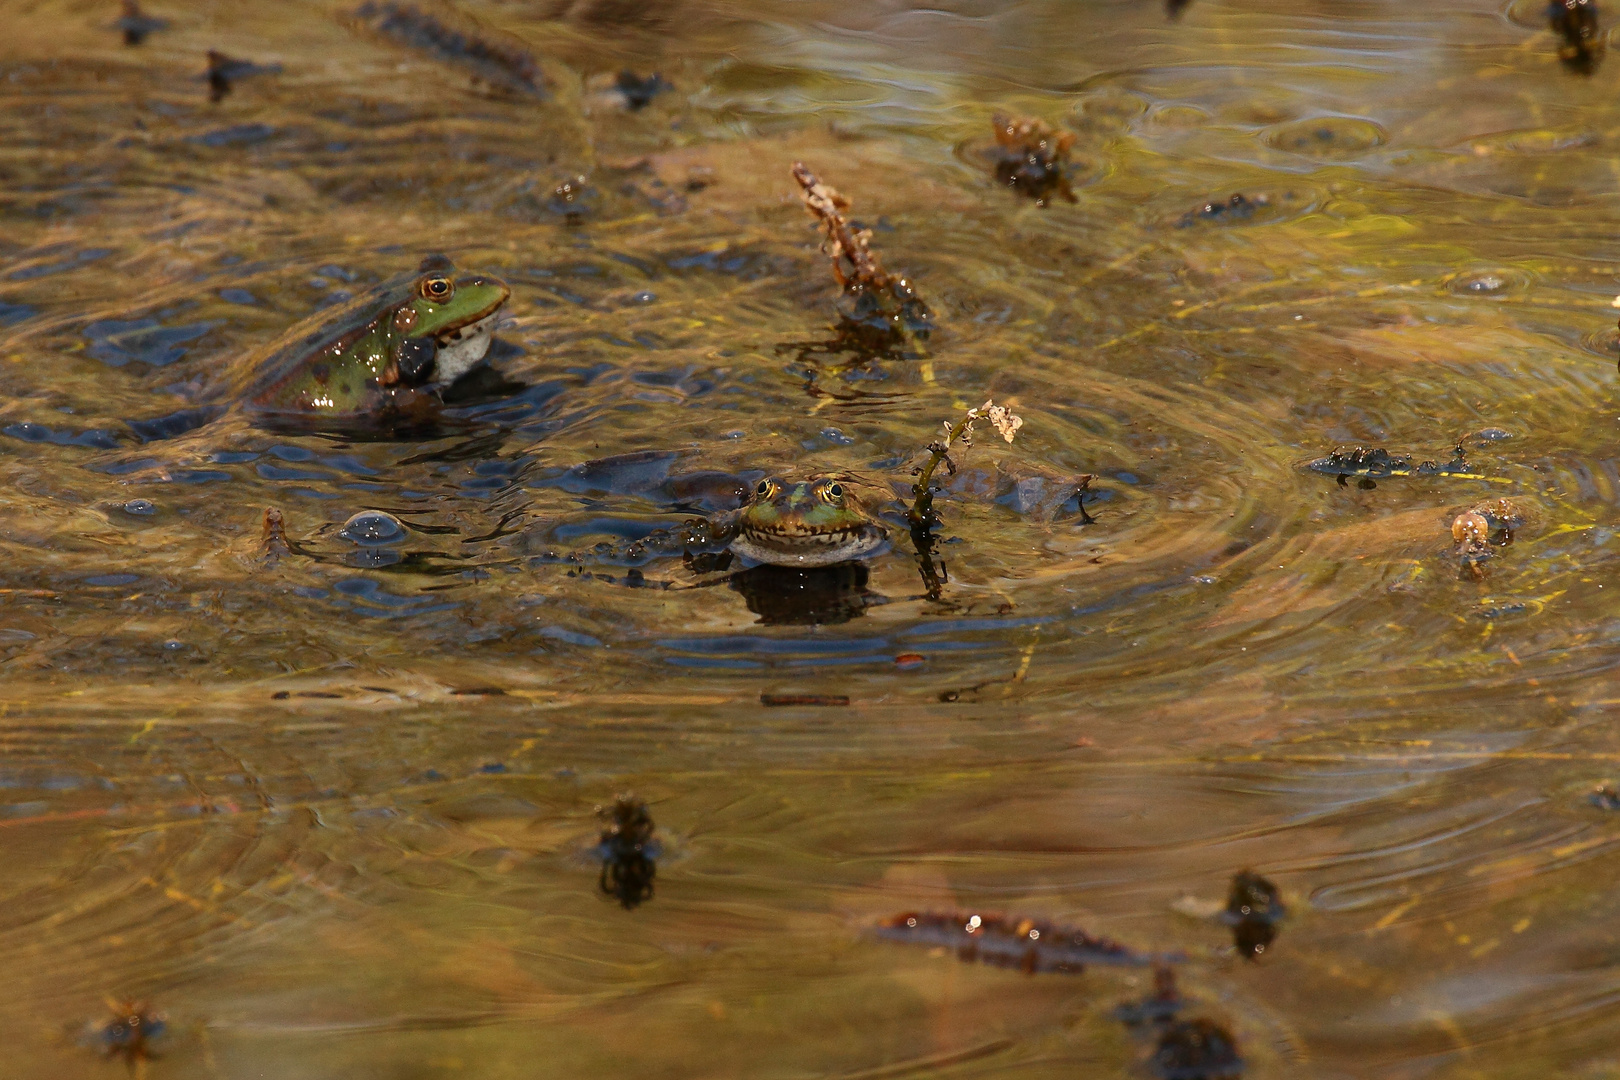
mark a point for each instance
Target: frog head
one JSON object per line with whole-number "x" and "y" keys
{"x": 444, "y": 325}
{"x": 817, "y": 522}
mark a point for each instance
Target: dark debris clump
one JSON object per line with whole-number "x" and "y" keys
{"x": 1254, "y": 909}
{"x": 1032, "y": 158}
{"x": 1239, "y": 207}
{"x": 638, "y": 91}
{"x": 129, "y": 1032}
{"x": 628, "y": 851}
{"x": 1576, "y": 23}
{"x": 224, "y": 71}
{"x": 136, "y": 24}
{"x": 1605, "y": 798}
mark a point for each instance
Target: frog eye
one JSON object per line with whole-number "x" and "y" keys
{"x": 833, "y": 492}
{"x": 437, "y": 288}
{"x": 765, "y": 489}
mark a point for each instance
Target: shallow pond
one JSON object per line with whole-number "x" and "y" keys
{"x": 329, "y": 803}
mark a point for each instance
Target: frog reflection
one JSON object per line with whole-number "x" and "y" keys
{"x": 815, "y": 596}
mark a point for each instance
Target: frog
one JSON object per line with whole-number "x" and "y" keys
{"x": 805, "y": 523}
{"x": 381, "y": 358}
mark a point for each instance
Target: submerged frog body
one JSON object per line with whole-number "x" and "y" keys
{"x": 382, "y": 356}
{"x": 809, "y": 523}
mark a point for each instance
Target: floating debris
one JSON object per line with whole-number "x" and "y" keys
{"x": 1196, "y": 1050}
{"x": 776, "y": 701}
{"x": 499, "y": 64}
{"x": 1374, "y": 463}
{"x": 883, "y": 305}
{"x": 1029, "y": 945}
{"x": 628, "y": 851}
{"x": 1254, "y": 908}
{"x": 1239, "y": 207}
{"x": 1174, "y": 8}
{"x": 638, "y": 92}
{"x": 1605, "y": 798}
{"x": 224, "y": 70}
{"x": 128, "y": 1032}
{"x": 1481, "y": 528}
{"x": 136, "y": 24}
{"x": 1032, "y": 158}
{"x": 1159, "y": 1007}
{"x": 1576, "y": 23}
{"x": 571, "y": 199}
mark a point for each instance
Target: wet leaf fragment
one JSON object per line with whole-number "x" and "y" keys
{"x": 882, "y": 304}
{"x": 628, "y": 851}
{"x": 1030, "y": 945}
{"x": 1254, "y": 910}
{"x": 1032, "y": 158}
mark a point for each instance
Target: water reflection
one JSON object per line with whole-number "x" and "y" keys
{"x": 817, "y": 596}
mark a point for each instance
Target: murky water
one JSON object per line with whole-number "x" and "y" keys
{"x": 333, "y": 814}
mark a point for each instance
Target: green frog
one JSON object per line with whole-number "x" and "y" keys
{"x": 817, "y": 522}
{"x": 801, "y": 524}
{"x": 383, "y": 356}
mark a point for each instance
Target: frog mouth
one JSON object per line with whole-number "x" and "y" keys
{"x": 791, "y": 545}
{"x": 461, "y": 348}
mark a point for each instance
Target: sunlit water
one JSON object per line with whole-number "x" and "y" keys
{"x": 333, "y": 814}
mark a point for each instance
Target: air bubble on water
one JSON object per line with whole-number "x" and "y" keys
{"x": 372, "y": 528}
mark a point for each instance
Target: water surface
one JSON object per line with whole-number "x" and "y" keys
{"x": 334, "y": 813}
